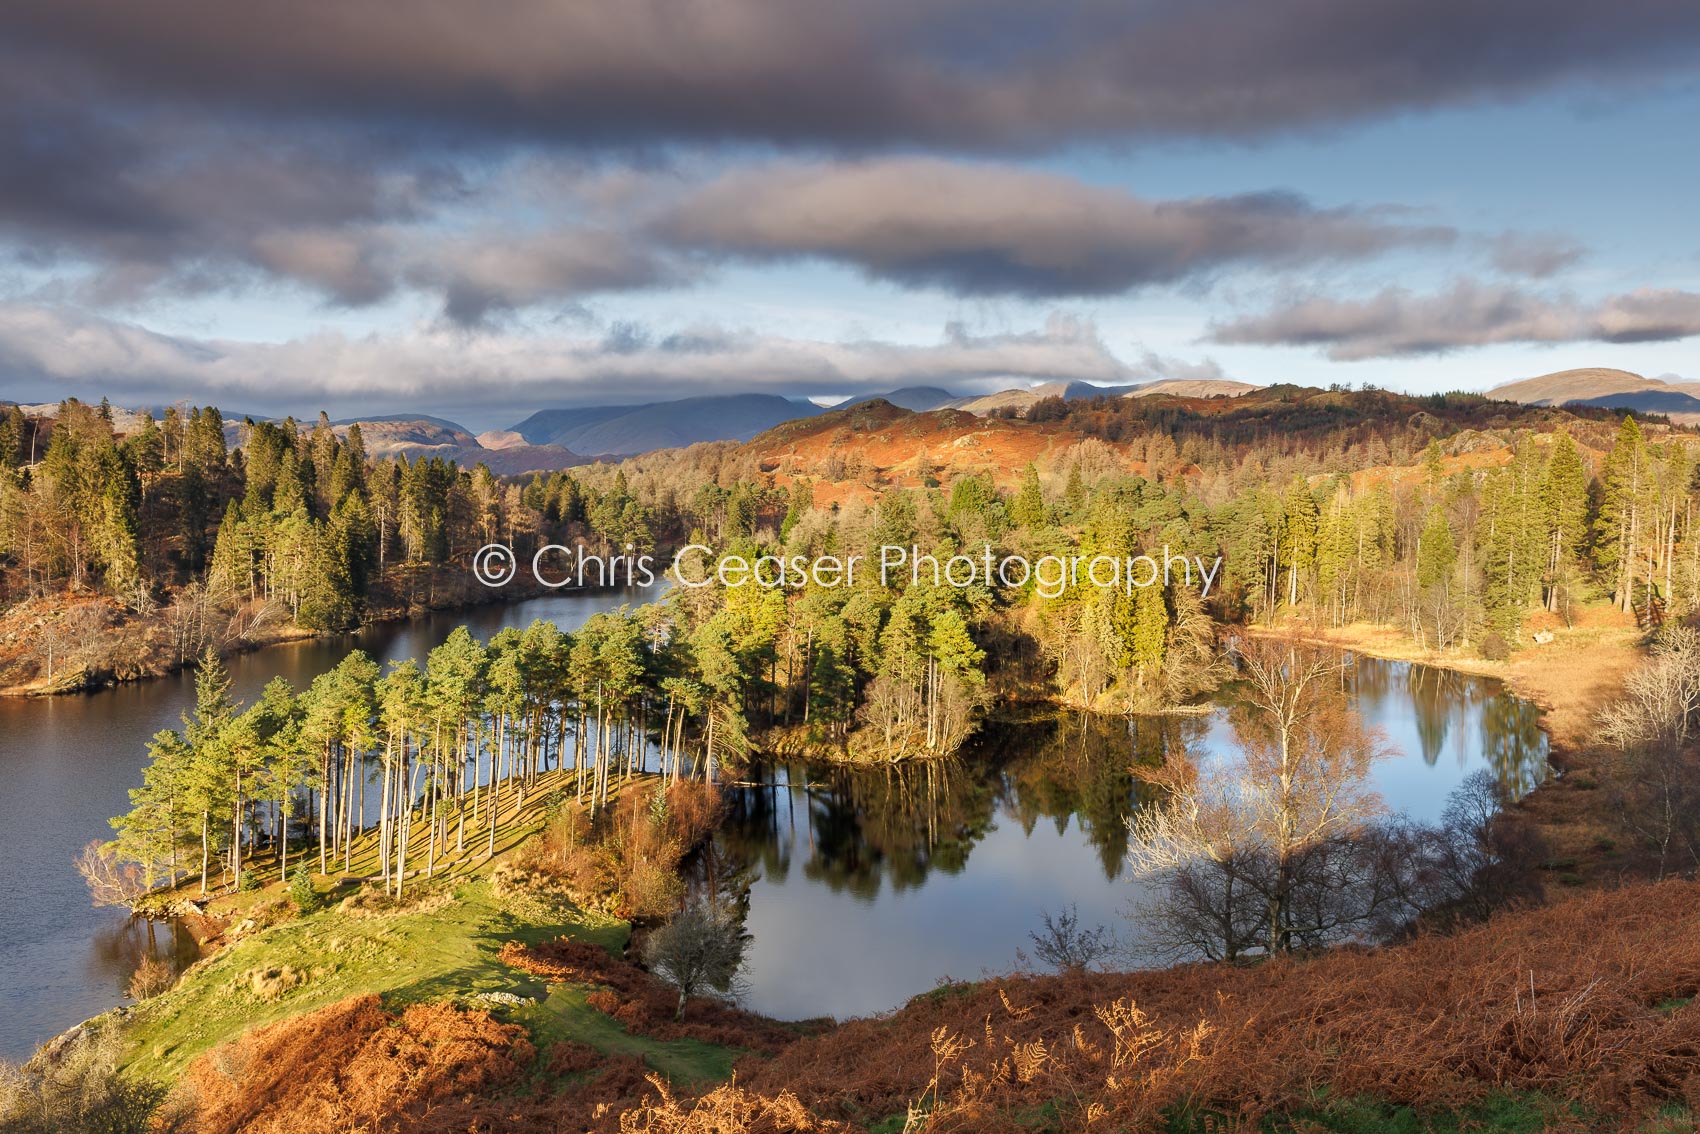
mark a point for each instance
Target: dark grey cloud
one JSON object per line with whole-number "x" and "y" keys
{"x": 196, "y": 221}
{"x": 961, "y": 73}
{"x": 49, "y": 352}
{"x": 144, "y": 200}
{"x": 980, "y": 229}
{"x": 1398, "y": 323}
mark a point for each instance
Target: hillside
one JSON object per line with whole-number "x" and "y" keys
{"x": 1606, "y": 388}
{"x": 419, "y": 435}
{"x": 1194, "y": 388}
{"x": 876, "y": 443}
{"x": 849, "y": 453}
{"x": 625, "y": 430}
{"x": 1574, "y": 1017}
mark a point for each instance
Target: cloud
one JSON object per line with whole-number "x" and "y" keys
{"x": 985, "y": 74}
{"x": 47, "y": 353}
{"x": 546, "y": 232}
{"x": 1535, "y": 254}
{"x": 1398, "y": 323}
{"x": 980, "y": 229}
{"x": 1154, "y": 367}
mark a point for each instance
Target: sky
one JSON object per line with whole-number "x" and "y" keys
{"x": 477, "y": 211}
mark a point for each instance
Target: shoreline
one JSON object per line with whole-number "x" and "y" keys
{"x": 1567, "y": 680}
{"x": 91, "y": 678}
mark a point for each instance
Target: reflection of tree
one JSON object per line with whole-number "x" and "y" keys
{"x": 1082, "y": 766}
{"x": 116, "y": 951}
{"x": 859, "y": 826}
{"x": 719, "y": 875}
{"x": 1434, "y": 693}
{"x": 1513, "y": 743}
{"x": 854, "y": 828}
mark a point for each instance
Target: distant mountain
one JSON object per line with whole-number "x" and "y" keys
{"x": 418, "y": 436}
{"x": 1612, "y": 389}
{"x": 500, "y": 439}
{"x": 1023, "y": 398}
{"x": 1193, "y": 388}
{"x": 627, "y": 430}
{"x": 442, "y": 422}
{"x": 917, "y": 398}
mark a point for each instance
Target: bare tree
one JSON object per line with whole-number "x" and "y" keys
{"x": 1062, "y": 943}
{"x": 1652, "y": 725}
{"x": 110, "y": 882}
{"x": 1273, "y": 816}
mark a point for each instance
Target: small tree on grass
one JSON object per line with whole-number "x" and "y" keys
{"x": 700, "y": 950}
{"x": 301, "y": 891}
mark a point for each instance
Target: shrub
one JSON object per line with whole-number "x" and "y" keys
{"x": 1494, "y": 647}
{"x": 301, "y": 891}
{"x": 1067, "y": 946}
{"x": 77, "y": 1086}
{"x": 152, "y": 977}
{"x": 698, "y": 951}
{"x": 625, "y": 862}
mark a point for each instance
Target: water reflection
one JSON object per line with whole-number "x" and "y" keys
{"x": 68, "y": 764}
{"x": 890, "y": 878}
{"x": 118, "y": 950}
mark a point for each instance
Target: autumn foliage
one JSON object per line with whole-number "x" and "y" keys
{"x": 354, "y": 1066}
{"x": 625, "y": 859}
{"x": 1585, "y": 1002}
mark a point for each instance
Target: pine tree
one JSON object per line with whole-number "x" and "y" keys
{"x": 1299, "y": 527}
{"x": 1618, "y": 528}
{"x": 1437, "y": 553}
{"x": 1028, "y": 509}
{"x": 1564, "y": 504}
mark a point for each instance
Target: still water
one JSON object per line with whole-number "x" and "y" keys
{"x": 864, "y": 888}
{"x": 67, "y": 765}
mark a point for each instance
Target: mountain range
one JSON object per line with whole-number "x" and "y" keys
{"x": 560, "y": 438}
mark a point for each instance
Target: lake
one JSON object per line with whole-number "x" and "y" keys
{"x": 868, "y": 887}
{"x": 863, "y": 887}
{"x": 68, "y": 764}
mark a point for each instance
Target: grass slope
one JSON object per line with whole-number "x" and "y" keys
{"x": 443, "y": 950}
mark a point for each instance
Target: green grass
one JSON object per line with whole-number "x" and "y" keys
{"x": 442, "y": 954}
{"x": 409, "y": 958}
{"x": 565, "y": 1015}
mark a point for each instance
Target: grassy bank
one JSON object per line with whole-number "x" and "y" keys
{"x": 442, "y": 944}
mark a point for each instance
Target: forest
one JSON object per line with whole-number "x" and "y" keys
{"x": 1453, "y": 523}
